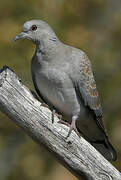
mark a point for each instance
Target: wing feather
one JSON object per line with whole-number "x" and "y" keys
{"x": 87, "y": 88}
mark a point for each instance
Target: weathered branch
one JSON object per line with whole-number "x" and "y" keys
{"x": 76, "y": 154}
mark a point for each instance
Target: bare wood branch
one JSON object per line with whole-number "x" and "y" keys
{"x": 76, "y": 154}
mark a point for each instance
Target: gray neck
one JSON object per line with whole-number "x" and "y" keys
{"x": 48, "y": 46}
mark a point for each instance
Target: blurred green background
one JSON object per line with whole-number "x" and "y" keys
{"x": 92, "y": 25}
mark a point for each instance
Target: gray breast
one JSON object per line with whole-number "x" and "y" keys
{"x": 57, "y": 88}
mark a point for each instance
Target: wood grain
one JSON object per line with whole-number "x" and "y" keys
{"x": 75, "y": 153}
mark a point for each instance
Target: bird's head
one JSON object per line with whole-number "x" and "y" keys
{"x": 36, "y": 31}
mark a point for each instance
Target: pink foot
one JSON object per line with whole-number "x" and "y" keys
{"x": 58, "y": 115}
{"x": 45, "y": 105}
{"x": 72, "y": 127}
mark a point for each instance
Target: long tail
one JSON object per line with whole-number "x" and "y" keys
{"x": 106, "y": 149}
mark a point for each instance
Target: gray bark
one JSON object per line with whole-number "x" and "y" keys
{"x": 75, "y": 153}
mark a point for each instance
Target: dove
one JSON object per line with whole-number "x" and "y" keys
{"x": 63, "y": 78}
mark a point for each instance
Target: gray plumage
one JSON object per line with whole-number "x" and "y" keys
{"x": 63, "y": 78}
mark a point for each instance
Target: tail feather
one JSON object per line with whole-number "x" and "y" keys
{"x": 106, "y": 149}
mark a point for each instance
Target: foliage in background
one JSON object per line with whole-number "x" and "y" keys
{"x": 95, "y": 27}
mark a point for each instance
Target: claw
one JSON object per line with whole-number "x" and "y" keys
{"x": 53, "y": 113}
{"x": 64, "y": 122}
{"x": 58, "y": 115}
{"x": 72, "y": 127}
{"x": 45, "y": 105}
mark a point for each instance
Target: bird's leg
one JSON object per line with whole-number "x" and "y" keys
{"x": 73, "y": 127}
{"x": 54, "y": 113}
{"x": 64, "y": 122}
{"x": 45, "y": 105}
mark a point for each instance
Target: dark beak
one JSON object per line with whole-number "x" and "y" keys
{"x": 22, "y": 35}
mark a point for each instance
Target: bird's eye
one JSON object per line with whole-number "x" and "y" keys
{"x": 33, "y": 28}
